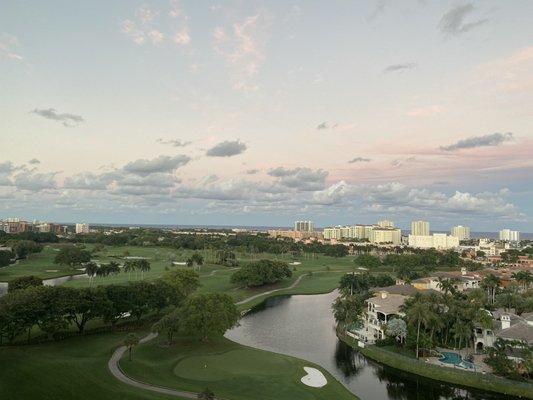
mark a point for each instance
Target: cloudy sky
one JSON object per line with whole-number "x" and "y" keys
{"x": 263, "y": 112}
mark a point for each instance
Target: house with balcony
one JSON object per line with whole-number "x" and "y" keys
{"x": 380, "y": 309}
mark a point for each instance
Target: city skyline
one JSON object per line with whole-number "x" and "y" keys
{"x": 158, "y": 112}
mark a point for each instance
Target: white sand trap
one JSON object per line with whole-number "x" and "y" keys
{"x": 52, "y": 270}
{"x": 314, "y": 378}
{"x": 295, "y": 263}
{"x": 179, "y": 263}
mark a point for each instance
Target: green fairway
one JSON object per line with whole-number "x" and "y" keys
{"x": 39, "y": 264}
{"x": 74, "y": 368}
{"x": 232, "y": 371}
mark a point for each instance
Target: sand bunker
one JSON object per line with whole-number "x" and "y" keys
{"x": 314, "y": 378}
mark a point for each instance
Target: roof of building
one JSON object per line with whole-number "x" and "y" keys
{"x": 390, "y": 304}
{"x": 519, "y": 331}
{"x": 404, "y": 290}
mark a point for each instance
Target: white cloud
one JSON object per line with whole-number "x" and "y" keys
{"x": 9, "y": 45}
{"x": 182, "y": 37}
{"x": 242, "y": 48}
{"x": 427, "y": 111}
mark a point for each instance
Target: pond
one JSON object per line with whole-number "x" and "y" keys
{"x": 303, "y": 326}
{"x": 48, "y": 282}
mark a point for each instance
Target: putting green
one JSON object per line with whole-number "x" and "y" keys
{"x": 235, "y": 363}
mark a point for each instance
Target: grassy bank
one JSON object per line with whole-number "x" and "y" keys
{"x": 445, "y": 374}
{"x": 231, "y": 370}
{"x": 74, "y": 368}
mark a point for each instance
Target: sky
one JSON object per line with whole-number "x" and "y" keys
{"x": 265, "y": 112}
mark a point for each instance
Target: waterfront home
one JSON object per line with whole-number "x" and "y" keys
{"x": 380, "y": 309}
{"x": 505, "y": 325}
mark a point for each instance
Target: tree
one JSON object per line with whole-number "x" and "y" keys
{"x": 195, "y": 259}
{"x": 72, "y": 256}
{"x": 491, "y": 284}
{"x": 261, "y": 273}
{"x": 130, "y": 342}
{"x": 24, "y": 282}
{"x": 352, "y": 283}
{"x": 91, "y": 269}
{"x": 207, "y": 315}
{"x": 397, "y": 328}
{"x": 169, "y": 325}
{"x": 226, "y": 257}
{"x": 417, "y": 313}
{"x": 347, "y": 310}
{"x": 5, "y": 258}
{"x": 129, "y": 267}
{"x": 144, "y": 266}
{"x": 368, "y": 261}
{"x": 206, "y": 394}
{"x": 83, "y": 305}
{"x": 24, "y": 247}
{"x": 524, "y": 278}
{"x": 183, "y": 280}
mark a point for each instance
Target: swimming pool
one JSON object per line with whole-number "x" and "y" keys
{"x": 455, "y": 359}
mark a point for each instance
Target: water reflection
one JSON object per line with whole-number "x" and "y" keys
{"x": 47, "y": 282}
{"x": 303, "y": 326}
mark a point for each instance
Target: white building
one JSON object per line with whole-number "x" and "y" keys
{"x": 439, "y": 241}
{"x": 304, "y": 226}
{"x": 82, "y": 228}
{"x": 380, "y": 309}
{"x": 509, "y": 235}
{"x": 386, "y": 235}
{"x": 461, "y": 232}
{"x": 420, "y": 228}
{"x": 386, "y": 224}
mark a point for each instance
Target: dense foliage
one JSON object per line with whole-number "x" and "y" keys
{"x": 24, "y": 282}
{"x": 72, "y": 256}
{"x": 261, "y": 273}
{"x": 52, "y": 309}
{"x": 208, "y": 315}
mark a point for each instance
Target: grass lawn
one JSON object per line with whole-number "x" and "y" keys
{"x": 39, "y": 264}
{"x": 230, "y": 370}
{"x": 74, "y": 368}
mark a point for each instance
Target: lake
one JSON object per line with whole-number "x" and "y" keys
{"x": 303, "y": 326}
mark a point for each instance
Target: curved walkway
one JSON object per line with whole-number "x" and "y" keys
{"x": 115, "y": 370}
{"x": 255, "y": 296}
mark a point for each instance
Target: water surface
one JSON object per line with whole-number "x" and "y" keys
{"x": 303, "y": 326}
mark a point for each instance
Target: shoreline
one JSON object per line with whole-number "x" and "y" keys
{"x": 467, "y": 379}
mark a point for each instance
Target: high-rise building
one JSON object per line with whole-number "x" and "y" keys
{"x": 420, "y": 228}
{"x": 304, "y": 226}
{"x": 82, "y": 228}
{"x": 386, "y": 235}
{"x": 386, "y": 224}
{"x": 509, "y": 235}
{"x": 439, "y": 241}
{"x": 461, "y": 232}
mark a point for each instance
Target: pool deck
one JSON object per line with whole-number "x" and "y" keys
{"x": 478, "y": 362}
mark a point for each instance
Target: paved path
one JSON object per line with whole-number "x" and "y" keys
{"x": 114, "y": 368}
{"x": 255, "y": 296}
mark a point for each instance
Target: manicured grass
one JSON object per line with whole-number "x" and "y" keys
{"x": 74, "y": 368}
{"x": 230, "y": 370}
{"x": 39, "y": 264}
{"x": 445, "y": 374}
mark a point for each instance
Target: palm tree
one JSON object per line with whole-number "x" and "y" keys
{"x": 129, "y": 267}
{"x": 491, "y": 284}
{"x": 130, "y": 342}
{"x": 91, "y": 270}
{"x": 447, "y": 285}
{"x": 417, "y": 314}
{"x": 144, "y": 266}
{"x": 524, "y": 278}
